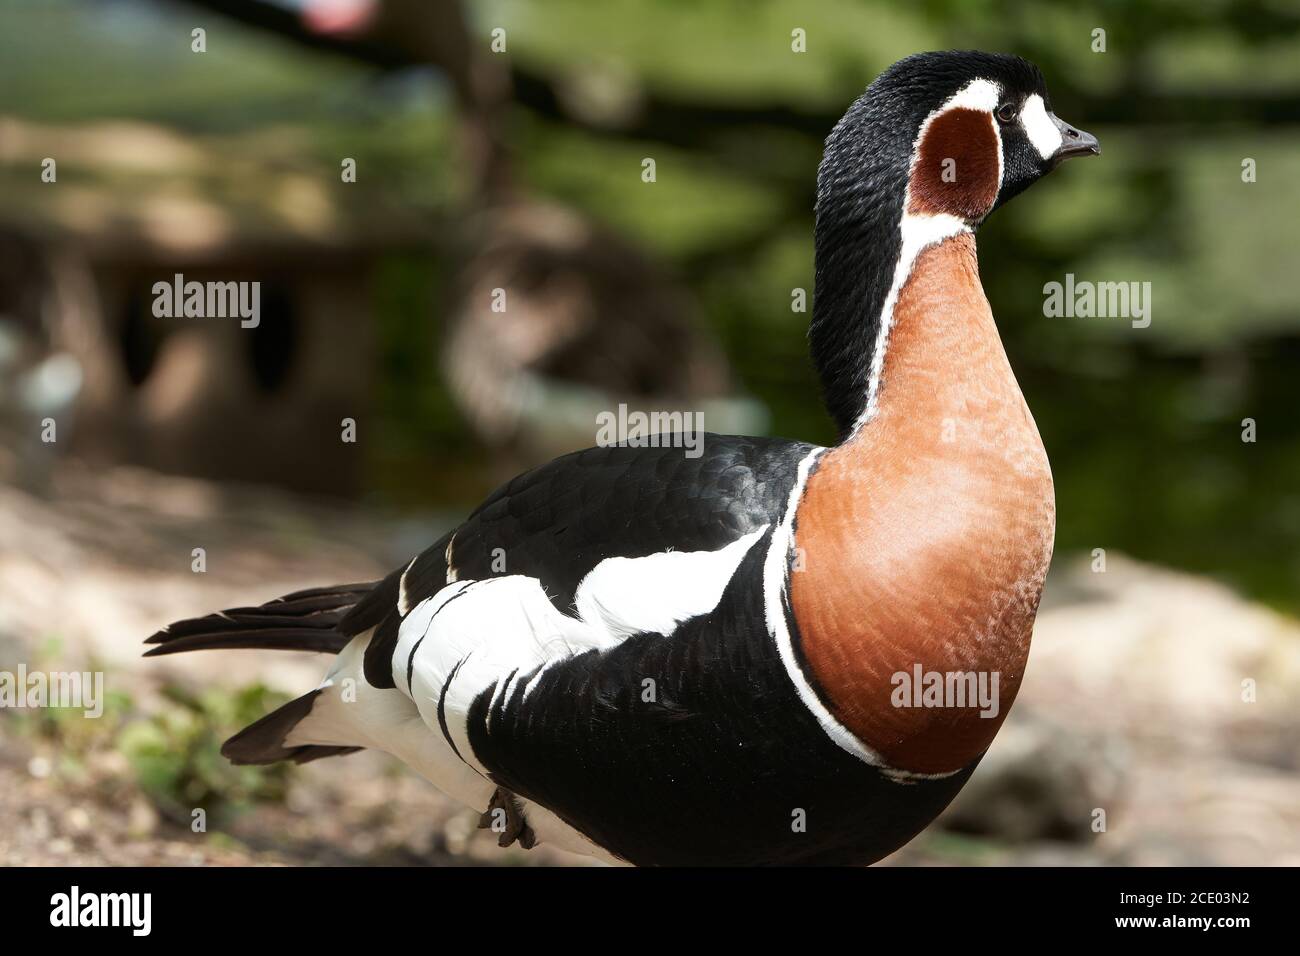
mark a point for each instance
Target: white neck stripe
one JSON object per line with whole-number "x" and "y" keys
{"x": 919, "y": 232}
{"x": 776, "y": 584}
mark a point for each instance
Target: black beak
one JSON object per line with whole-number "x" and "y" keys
{"x": 1074, "y": 142}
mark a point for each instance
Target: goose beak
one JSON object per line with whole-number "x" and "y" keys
{"x": 1074, "y": 142}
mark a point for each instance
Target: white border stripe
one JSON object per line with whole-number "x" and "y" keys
{"x": 775, "y": 583}
{"x": 775, "y": 588}
{"x": 921, "y": 232}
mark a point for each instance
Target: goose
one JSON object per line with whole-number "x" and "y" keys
{"x": 656, "y": 658}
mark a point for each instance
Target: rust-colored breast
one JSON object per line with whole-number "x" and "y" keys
{"x": 925, "y": 538}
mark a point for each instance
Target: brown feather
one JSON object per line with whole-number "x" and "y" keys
{"x": 925, "y": 539}
{"x": 957, "y": 166}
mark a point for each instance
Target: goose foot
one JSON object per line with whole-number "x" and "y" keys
{"x": 505, "y": 817}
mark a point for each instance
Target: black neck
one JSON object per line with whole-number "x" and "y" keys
{"x": 860, "y": 190}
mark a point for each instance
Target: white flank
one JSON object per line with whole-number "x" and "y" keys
{"x": 452, "y": 573}
{"x": 403, "y": 603}
{"x": 483, "y": 631}
{"x": 350, "y": 712}
{"x": 654, "y": 594}
{"x": 499, "y": 631}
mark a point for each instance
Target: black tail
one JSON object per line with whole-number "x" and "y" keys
{"x": 302, "y": 621}
{"x": 263, "y": 741}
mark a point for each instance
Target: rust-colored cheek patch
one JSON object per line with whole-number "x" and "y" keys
{"x": 956, "y": 169}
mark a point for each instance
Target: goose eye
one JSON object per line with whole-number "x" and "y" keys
{"x": 1006, "y": 113}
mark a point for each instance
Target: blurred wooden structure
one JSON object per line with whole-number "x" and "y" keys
{"x": 587, "y": 322}
{"x": 133, "y": 205}
{"x": 592, "y": 321}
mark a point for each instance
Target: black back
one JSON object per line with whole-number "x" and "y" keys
{"x": 560, "y": 520}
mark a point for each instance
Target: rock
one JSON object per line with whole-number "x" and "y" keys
{"x": 1134, "y": 703}
{"x": 1039, "y": 781}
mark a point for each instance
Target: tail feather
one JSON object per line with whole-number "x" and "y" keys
{"x": 264, "y": 741}
{"x": 311, "y": 620}
{"x": 303, "y": 621}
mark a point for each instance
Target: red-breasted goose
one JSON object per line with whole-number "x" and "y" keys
{"x": 749, "y": 656}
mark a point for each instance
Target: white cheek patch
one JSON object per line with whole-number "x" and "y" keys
{"x": 1039, "y": 127}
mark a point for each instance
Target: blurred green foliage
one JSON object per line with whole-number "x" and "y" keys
{"x": 1143, "y": 425}
{"x": 76, "y": 734}
{"x": 176, "y": 753}
{"x": 173, "y": 749}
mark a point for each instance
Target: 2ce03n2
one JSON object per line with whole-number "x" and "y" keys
{"x": 1174, "y": 896}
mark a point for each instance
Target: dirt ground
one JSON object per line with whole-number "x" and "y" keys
{"x": 1134, "y": 741}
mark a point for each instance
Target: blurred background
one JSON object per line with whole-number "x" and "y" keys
{"x": 500, "y": 145}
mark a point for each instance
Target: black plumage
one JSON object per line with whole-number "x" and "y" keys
{"x": 303, "y": 621}
{"x": 557, "y": 522}
{"x": 263, "y": 741}
{"x": 712, "y": 742}
{"x": 725, "y": 765}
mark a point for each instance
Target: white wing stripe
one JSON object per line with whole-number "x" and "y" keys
{"x": 656, "y": 593}
{"x": 776, "y": 580}
{"x": 450, "y": 651}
